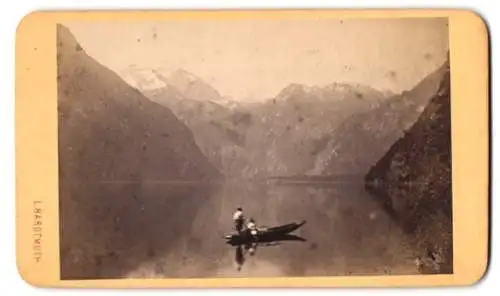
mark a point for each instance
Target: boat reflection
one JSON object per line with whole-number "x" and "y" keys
{"x": 246, "y": 244}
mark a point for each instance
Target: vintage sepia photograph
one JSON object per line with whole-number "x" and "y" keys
{"x": 254, "y": 147}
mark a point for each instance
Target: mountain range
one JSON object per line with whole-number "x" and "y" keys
{"x": 280, "y": 135}
{"x": 336, "y": 128}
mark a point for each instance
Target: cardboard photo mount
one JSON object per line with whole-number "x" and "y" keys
{"x": 37, "y": 157}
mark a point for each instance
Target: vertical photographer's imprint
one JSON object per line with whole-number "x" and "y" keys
{"x": 37, "y": 228}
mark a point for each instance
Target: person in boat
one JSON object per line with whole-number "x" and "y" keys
{"x": 238, "y": 219}
{"x": 252, "y": 227}
{"x": 252, "y": 245}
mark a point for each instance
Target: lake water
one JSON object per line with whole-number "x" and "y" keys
{"x": 347, "y": 232}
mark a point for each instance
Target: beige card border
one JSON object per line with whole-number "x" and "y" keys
{"x": 36, "y": 148}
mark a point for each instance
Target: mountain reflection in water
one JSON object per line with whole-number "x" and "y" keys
{"x": 347, "y": 232}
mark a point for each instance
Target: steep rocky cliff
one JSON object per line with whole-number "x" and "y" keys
{"x": 113, "y": 144}
{"x": 413, "y": 181}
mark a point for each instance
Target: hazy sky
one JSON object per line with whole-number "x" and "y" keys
{"x": 256, "y": 58}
